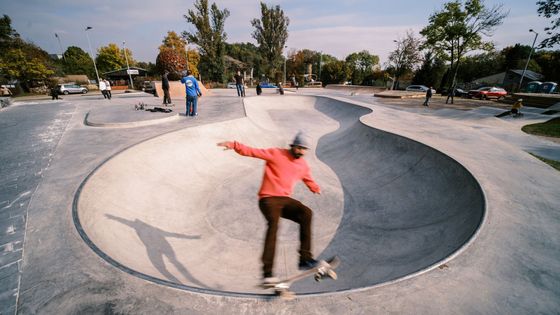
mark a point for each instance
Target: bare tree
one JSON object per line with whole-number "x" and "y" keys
{"x": 549, "y": 9}
{"x": 405, "y": 57}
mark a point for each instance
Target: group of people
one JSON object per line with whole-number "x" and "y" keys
{"x": 105, "y": 87}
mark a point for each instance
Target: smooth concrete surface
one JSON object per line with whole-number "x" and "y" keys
{"x": 416, "y": 203}
{"x": 510, "y": 266}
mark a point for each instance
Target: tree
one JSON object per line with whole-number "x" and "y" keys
{"x": 335, "y": 72}
{"x": 406, "y": 57}
{"x": 248, "y": 54}
{"x": 457, "y": 29}
{"x": 173, "y": 57}
{"x": 431, "y": 71}
{"x": 209, "y": 36}
{"x": 112, "y": 57}
{"x": 361, "y": 67}
{"x": 26, "y": 63}
{"x": 7, "y": 33}
{"x": 77, "y": 61}
{"x": 549, "y": 61}
{"x": 548, "y": 9}
{"x": 271, "y": 33}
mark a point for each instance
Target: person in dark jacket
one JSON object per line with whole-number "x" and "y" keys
{"x": 428, "y": 96}
{"x": 165, "y": 87}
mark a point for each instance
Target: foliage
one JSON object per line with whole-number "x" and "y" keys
{"x": 361, "y": 67}
{"x": 7, "y": 33}
{"x": 335, "y": 72}
{"x": 248, "y": 54}
{"x": 209, "y": 36}
{"x": 549, "y": 9}
{"x": 406, "y": 57}
{"x": 456, "y": 30}
{"x": 77, "y": 61}
{"x": 271, "y": 33}
{"x": 431, "y": 71}
{"x": 112, "y": 57}
{"x": 549, "y": 61}
{"x": 173, "y": 57}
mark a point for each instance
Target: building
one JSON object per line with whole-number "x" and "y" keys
{"x": 120, "y": 77}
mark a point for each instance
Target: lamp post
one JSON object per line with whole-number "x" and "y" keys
{"x": 285, "y": 59}
{"x": 59, "y": 44}
{"x": 127, "y": 67}
{"x": 187, "y": 53}
{"x": 528, "y": 58}
{"x": 91, "y": 53}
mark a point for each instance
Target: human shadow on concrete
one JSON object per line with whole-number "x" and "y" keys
{"x": 157, "y": 247}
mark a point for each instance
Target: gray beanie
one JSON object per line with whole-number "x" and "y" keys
{"x": 301, "y": 140}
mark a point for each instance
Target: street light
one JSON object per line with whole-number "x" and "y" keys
{"x": 127, "y": 67}
{"x": 528, "y": 58}
{"x": 59, "y": 44}
{"x": 91, "y": 53}
{"x": 285, "y": 59}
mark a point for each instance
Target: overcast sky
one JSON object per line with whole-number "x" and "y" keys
{"x": 337, "y": 28}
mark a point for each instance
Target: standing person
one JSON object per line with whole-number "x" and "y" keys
{"x": 428, "y": 96}
{"x": 165, "y": 87}
{"x": 451, "y": 95}
{"x": 239, "y": 82}
{"x": 54, "y": 92}
{"x": 193, "y": 93}
{"x": 103, "y": 88}
{"x": 108, "y": 88}
{"x": 259, "y": 88}
{"x": 283, "y": 168}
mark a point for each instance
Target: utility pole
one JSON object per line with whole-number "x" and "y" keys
{"x": 91, "y": 53}
{"x": 127, "y": 66}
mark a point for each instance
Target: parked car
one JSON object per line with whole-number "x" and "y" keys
{"x": 487, "y": 92}
{"x": 419, "y": 88}
{"x": 71, "y": 89}
{"x": 231, "y": 85}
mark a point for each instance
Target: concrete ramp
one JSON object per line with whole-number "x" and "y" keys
{"x": 180, "y": 211}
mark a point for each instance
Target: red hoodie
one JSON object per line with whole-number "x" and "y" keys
{"x": 281, "y": 172}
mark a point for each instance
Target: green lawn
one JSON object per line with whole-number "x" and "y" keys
{"x": 552, "y": 163}
{"x": 550, "y": 128}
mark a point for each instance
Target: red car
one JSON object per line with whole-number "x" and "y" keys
{"x": 487, "y": 92}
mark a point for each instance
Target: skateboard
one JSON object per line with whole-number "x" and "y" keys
{"x": 324, "y": 269}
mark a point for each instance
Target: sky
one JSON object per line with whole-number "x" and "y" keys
{"x": 337, "y": 28}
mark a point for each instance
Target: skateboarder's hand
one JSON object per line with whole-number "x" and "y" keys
{"x": 228, "y": 145}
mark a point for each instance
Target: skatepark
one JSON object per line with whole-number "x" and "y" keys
{"x": 430, "y": 211}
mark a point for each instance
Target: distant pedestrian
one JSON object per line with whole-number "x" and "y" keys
{"x": 428, "y": 96}
{"x": 280, "y": 89}
{"x": 108, "y": 89}
{"x": 54, "y": 92}
{"x": 239, "y": 84}
{"x": 193, "y": 93}
{"x": 103, "y": 88}
{"x": 165, "y": 87}
{"x": 451, "y": 95}
{"x": 259, "y": 89}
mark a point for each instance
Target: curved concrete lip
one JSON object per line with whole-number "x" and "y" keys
{"x": 141, "y": 121}
{"x": 178, "y": 211}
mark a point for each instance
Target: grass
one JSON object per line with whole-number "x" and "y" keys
{"x": 552, "y": 163}
{"x": 550, "y": 128}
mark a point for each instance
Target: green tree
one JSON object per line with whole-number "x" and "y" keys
{"x": 361, "y": 67}
{"x": 481, "y": 65}
{"x": 458, "y": 28}
{"x": 209, "y": 36}
{"x": 77, "y": 61}
{"x": 334, "y": 72}
{"x": 549, "y": 61}
{"x": 7, "y": 34}
{"x": 550, "y": 10}
{"x": 112, "y": 57}
{"x": 271, "y": 34}
{"x": 431, "y": 71}
{"x": 248, "y": 54}
{"x": 406, "y": 57}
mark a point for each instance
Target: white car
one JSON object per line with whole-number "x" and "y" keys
{"x": 419, "y": 88}
{"x": 71, "y": 88}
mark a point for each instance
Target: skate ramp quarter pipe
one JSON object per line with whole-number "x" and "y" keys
{"x": 180, "y": 211}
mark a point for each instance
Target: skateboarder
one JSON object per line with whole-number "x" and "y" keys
{"x": 283, "y": 168}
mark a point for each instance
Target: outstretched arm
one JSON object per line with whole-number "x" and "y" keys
{"x": 265, "y": 154}
{"x": 228, "y": 145}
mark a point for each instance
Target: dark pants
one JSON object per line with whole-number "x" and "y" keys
{"x": 274, "y": 208}
{"x": 166, "y": 97}
{"x": 192, "y": 109}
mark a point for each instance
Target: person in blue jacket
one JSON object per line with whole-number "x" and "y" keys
{"x": 193, "y": 93}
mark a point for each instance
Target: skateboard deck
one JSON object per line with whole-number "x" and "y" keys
{"x": 324, "y": 269}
